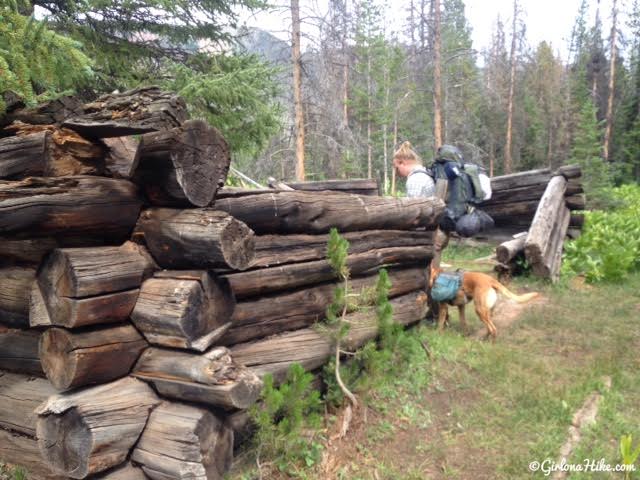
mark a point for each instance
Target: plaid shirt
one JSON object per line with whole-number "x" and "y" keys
{"x": 420, "y": 183}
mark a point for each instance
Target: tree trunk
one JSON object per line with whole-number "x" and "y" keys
{"x": 19, "y": 397}
{"x": 184, "y": 442}
{"x": 272, "y": 314}
{"x": 272, "y": 250}
{"x": 268, "y": 280}
{"x": 15, "y": 288}
{"x": 142, "y": 110}
{"x": 212, "y": 378}
{"x": 93, "y": 356}
{"x": 312, "y": 349}
{"x": 94, "y": 428}
{"x": 437, "y": 77}
{"x": 184, "y": 309}
{"x": 508, "y": 161}
{"x": 297, "y": 89}
{"x": 184, "y": 166}
{"x": 19, "y": 351}
{"x": 199, "y": 238}
{"x": 306, "y": 212}
{"x": 88, "y": 286}
{"x": 612, "y": 84}
{"x": 103, "y": 208}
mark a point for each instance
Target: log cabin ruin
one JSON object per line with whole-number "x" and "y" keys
{"x": 141, "y": 303}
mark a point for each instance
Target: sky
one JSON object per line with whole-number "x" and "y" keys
{"x": 550, "y": 20}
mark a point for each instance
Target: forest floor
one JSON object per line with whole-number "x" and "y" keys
{"x": 481, "y": 410}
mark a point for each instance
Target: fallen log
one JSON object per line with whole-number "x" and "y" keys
{"x": 19, "y": 397}
{"x": 312, "y": 349}
{"x": 121, "y": 159}
{"x": 47, "y": 113}
{"x": 75, "y": 359}
{"x": 358, "y": 186}
{"x": 142, "y": 110}
{"x": 184, "y": 442}
{"x": 94, "y": 428}
{"x": 211, "y": 378}
{"x": 286, "y": 212}
{"x": 539, "y": 245}
{"x": 97, "y": 207}
{"x": 23, "y": 451}
{"x": 507, "y": 251}
{"x": 48, "y": 151}
{"x": 87, "y": 286}
{"x": 263, "y": 316}
{"x": 19, "y": 351}
{"x": 198, "y": 238}
{"x": 183, "y": 166}
{"x": 271, "y": 250}
{"x": 287, "y": 277}
{"x": 183, "y": 309}
{"x": 15, "y": 286}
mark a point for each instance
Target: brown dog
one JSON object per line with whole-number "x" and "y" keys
{"x": 482, "y": 289}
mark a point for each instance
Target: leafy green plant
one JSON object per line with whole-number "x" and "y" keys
{"x": 628, "y": 454}
{"x": 284, "y": 417}
{"x": 609, "y": 247}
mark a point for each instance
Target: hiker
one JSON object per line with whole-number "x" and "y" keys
{"x": 409, "y": 165}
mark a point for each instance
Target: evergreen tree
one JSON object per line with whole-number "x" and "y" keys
{"x": 37, "y": 64}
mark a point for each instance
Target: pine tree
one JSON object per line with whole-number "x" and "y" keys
{"x": 37, "y": 64}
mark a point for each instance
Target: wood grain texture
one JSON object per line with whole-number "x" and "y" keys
{"x": 93, "y": 429}
{"x": 212, "y": 378}
{"x": 98, "y": 355}
{"x": 310, "y": 212}
{"x": 19, "y": 351}
{"x": 15, "y": 288}
{"x": 183, "y": 166}
{"x": 198, "y": 238}
{"x": 22, "y": 450}
{"x": 184, "y": 442}
{"x": 183, "y": 309}
{"x": 19, "y": 397}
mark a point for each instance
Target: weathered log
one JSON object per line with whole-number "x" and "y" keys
{"x": 287, "y": 277}
{"x": 576, "y": 220}
{"x": 358, "y": 186}
{"x": 310, "y": 212}
{"x": 521, "y": 179}
{"x": 184, "y": 166}
{"x": 19, "y": 397}
{"x": 570, "y": 171}
{"x": 70, "y": 206}
{"x": 74, "y": 359}
{"x": 574, "y": 187}
{"x": 87, "y": 286}
{"x": 211, "y": 378}
{"x": 512, "y": 195}
{"x": 274, "y": 250}
{"x": 184, "y": 442}
{"x": 276, "y": 313}
{"x": 47, "y": 113}
{"x": 22, "y": 450}
{"x": 121, "y": 159}
{"x": 19, "y": 351}
{"x": 507, "y": 251}
{"x": 48, "y": 151}
{"x": 538, "y": 244}
{"x": 576, "y": 202}
{"x": 184, "y": 309}
{"x": 549, "y": 267}
{"x": 15, "y": 287}
{"x": 31, "y": 251}
{"x": 126, "y": 471}
{"x": 94, "y": 428}
{"x": 312, "y": 349}
{"x": 198, "y": 238}
{"x": 499, "y": 211}
{"x": 142, "y": 110}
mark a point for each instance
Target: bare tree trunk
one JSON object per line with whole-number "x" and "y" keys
{"x": 385, "y": 134}
{"x": 612, "y": 81}
{"x": 508, "y": 161}
{"x": 297, "y": 89}
{"x": 345, "y": 69}
{"x": 437, "y": 78}
{"x": 369, "y": 146}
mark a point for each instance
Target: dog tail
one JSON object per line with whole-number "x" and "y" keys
{"x": 508, "y": 293}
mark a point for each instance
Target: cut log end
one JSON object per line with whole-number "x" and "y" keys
{"x": 238, "y": 245}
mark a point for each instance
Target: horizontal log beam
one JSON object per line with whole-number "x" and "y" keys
{"x": 19, "y": 397}
{"x": 19, "y": 351}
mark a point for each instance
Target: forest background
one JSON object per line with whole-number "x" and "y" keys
{"x": 338, "y": 107}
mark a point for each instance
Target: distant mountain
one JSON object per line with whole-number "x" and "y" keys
{"x": 266, "y": 45}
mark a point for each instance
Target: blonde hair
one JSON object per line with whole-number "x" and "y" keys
{"x": 406, "y": 154}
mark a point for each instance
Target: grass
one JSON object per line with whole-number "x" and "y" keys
{"x": 12, "y": 473}
{"x": 480, "y": 410}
